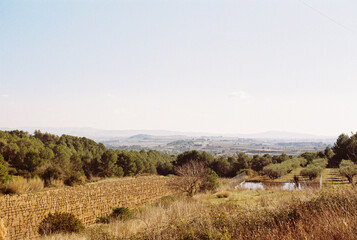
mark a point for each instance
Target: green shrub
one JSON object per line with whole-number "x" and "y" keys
{"x": 4, "y": 172}
{"x": 274, "y": 171}
{"x": 280, "y": 169}
{"x": 348, "y": 169}
{"x": 311, "y": 171}
{"x": 319, "y": 162}
{"x": 60, "y": 222}
{"x": 104, "y": 219}
{"x": 122, "y": 213}
{"x": 315, "y": 168}
{"x": 73, "y": 179}
{"x": 211, "y": 181}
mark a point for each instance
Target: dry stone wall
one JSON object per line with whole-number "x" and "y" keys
{"x": 21, "y": 214}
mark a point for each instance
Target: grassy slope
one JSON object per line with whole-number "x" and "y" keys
{"x": 219, "y": 217}
{"x": 243, "y": 214}
{"x": 332, "y": 176}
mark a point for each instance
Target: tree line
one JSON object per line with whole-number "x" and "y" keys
{"x": 77, "y": 159}
{"x": 72, "y": 159}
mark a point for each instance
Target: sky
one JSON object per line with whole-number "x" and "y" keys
{"x": 218, "y": 66}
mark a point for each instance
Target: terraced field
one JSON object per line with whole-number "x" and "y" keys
{"x": 329, "y": 176}
{"x": 332, "y": 176}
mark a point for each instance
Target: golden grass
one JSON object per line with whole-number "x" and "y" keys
{"x": 57, "y": 183}
{"x": 63, "y": 236}
{"x": 21, "y": 185}
{"x": 325, "y": 214}
{"x": 3, "y": 231}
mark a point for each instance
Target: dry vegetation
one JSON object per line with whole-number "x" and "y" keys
{"x": 23, "y": 213}
{"x": 3, "y": 231}
{"x": 238, "y": 214}
{"x": 20, "y": 185}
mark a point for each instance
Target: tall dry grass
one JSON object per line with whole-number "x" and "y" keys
{"x": 3, "y": 231}
{"x": 20, "y": 185}
{"x": 329, "y": 214}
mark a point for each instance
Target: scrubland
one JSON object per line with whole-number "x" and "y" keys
{"x": 329, "y": 213}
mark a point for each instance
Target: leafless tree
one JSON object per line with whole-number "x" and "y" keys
{"x": 192, "y": 177}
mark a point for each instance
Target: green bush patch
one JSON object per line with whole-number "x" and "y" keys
{"x": 60, "y": 222}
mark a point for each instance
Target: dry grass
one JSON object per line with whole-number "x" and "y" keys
{"x": 20, "y": 185}
{"x": 328, "y": 215}
{"x": 57, "y": 183}
{"x": 244, "y": 214}
{"x": 64, "y": 236}
{"x": 156, "y": 217}
{"x": 3, "y": 231}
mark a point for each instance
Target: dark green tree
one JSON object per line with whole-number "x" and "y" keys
{"x": 108, "y": 166}
{"x": 4, "y": 173}
{"x": 243, "y": 162}
{"x": 259, "y": 162}
{"x": 340, "y": 150}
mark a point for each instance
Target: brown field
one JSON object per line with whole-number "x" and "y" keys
{"x": 21, "y": 214}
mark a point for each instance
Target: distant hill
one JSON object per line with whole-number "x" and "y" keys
{"x": 141, "y": 137}
{"x": 100, "y": 135}
{"x": 284, "y": 135}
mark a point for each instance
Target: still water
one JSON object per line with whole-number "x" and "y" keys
{"x": 279, "y": 185}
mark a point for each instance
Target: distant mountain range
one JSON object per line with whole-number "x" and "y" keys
{"x": 283, "y": 135}
{"x": 100, "y": 135}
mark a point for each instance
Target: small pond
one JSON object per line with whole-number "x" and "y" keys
{"x": 277, "y": 185}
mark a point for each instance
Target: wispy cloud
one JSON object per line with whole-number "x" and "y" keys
{"x": 4, "y": 95}
{"x": 239, "y": 94}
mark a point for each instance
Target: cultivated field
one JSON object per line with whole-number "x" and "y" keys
{"x": 21, "y": 214}
{"x": 326, "y": 214}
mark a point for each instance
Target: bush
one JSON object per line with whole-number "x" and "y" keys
{"x": 311, "y": 171}
{"x": 4, "y": 172}
{"x": 49, "y": 172}
{"x": 274, "y": 171}
{"x": 314, "y": 168}
{"x": 280, "y": 169}
{"x": 195, "y": 177}
{"x": 60, "y": 222}
{"x": 122, "y": 213}
{"x": 211, "y": 181}
{"x": 348, "y": 169}
{"x": 74, "y": 179}
{"x": 320, "y": 162}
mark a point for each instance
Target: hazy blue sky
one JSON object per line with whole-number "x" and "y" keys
{"x": 227, "y": 66}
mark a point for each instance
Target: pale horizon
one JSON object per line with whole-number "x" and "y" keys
{"x": 225, "y": 67}
{"x": 155, "y": 132}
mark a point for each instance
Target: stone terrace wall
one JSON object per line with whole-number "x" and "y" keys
{"x": 22, "y": 214}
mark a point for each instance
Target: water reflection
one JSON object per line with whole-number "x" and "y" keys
{"x": 280, "y": 185}
{"x": 291, "y": 186}
{"x": 252, "y": 185}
